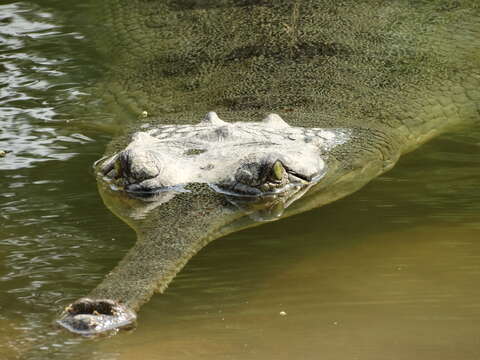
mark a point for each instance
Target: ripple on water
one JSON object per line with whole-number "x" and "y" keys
{"x": 50, "y": 214}
{"x": 39, "y": 82}
{"x": 57, "y": 241}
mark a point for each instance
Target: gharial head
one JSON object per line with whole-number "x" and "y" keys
{"x": 258, "y": 160}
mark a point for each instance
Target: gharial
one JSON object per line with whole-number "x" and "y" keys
{"x": 350, "y": 86}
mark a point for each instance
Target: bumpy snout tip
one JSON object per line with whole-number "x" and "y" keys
{"x": 92, "y": 316}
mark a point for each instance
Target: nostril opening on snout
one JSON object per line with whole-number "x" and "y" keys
{"x": 92, "y": 316}
{"x": 92, "y": 307}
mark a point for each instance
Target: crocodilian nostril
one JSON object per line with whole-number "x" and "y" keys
{"x": 91, "y": 316}
{"x": 136, "y": 165}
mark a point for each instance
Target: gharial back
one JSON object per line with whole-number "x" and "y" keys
{"x": 407, "y": 67}
{"x": 389, "y": 73}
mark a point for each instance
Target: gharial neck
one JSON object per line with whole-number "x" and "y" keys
{"x": 447, "y": 106}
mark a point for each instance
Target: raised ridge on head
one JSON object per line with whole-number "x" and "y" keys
{"x": 212, "y": 118}
{"x": 275, "y": 121}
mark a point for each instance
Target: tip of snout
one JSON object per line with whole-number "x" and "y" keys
{"x": 92, "y": 316}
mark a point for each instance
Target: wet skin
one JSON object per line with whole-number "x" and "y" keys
{"x": 387, "y": 75}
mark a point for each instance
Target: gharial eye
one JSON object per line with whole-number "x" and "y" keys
{"x": 278, "y": 171}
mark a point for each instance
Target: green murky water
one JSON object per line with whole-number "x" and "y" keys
{"x": 390, "y": 272}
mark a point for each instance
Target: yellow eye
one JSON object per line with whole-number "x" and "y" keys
{"x": 278, "y": 170}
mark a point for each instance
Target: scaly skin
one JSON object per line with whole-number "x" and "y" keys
{"x": 396, "y": 73}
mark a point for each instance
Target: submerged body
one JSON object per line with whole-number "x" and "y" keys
{"x": 382, "y": 76}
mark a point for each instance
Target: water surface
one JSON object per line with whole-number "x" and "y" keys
{"x": 390, "y": 272}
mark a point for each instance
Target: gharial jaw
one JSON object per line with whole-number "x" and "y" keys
{"x": 267, "y": 159}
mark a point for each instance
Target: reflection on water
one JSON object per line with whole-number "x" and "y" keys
{"x": 399, "y": 295}
{"x": 39, "y": 80}
{"x": 46, "y": 189}
{"x": 389, "y": 272}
